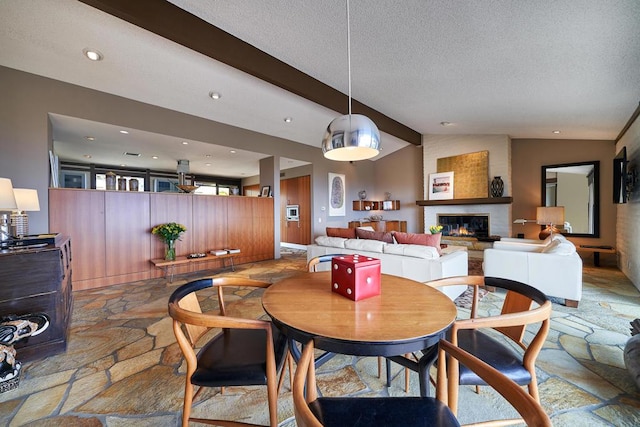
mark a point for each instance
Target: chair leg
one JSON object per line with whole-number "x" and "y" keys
{"x": 477, "y": 389}
{"x": 406, "y": 380}
{"x": 188, "y": 400}
{"x": 379, "y": 366}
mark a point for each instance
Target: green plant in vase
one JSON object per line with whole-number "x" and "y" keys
{"x": 169, "y": 233}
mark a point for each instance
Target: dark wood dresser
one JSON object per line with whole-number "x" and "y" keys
{"x": 38, "y": 280}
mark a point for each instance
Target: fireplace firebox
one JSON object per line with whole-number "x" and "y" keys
{"x": 464, "y": 225}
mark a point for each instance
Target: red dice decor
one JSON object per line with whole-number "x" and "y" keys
{"x": 355, "y": 276}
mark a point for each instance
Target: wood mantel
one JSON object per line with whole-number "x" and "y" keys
{"x": 478, "y": 201}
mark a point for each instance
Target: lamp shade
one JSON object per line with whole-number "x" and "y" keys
{"x": 351, "y": 137}
{"x": 7, "y": 198}
{"x": 27, "y": 199}
{"x": 550, "y": 215}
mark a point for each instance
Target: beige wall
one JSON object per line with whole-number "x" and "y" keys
{"x": 527, "y": 158}
{"x": 400, "y": 174}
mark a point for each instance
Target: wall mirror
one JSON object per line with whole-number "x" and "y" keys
{"x": 576, "y": 186}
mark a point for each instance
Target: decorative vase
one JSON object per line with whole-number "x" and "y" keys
{"x": 362, "y": 194}
{"x": 170, "y": 254}
{"x": 110, "y": 180}
{"x": 497, "y": 187}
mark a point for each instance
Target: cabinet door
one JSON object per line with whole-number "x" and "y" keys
{"x": 80, "y": 215}
{"x": 128, "y": 232}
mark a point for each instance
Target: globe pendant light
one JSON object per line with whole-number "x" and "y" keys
{"x": 354, "y": 136}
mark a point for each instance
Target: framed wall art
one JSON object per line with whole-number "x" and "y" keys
{"x": 441, "y": 186}
{"x": 337, "y": 191}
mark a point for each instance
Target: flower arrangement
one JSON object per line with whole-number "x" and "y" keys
{"x": 169, "y": 232}
{"x": 435, "y": 229}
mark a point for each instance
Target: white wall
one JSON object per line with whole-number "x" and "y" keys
{"x": 499, "y": 147}
{"x": 628, "y": 215}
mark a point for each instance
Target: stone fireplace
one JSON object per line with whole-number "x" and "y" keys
{"x": 464, "y": 225}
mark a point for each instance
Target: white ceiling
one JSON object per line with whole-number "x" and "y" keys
{"x": 521, "y": 68}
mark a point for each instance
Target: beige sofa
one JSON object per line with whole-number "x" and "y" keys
{"x": 416, "y": 262}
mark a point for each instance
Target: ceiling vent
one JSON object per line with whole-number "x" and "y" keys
{"x": 126, "y": 153}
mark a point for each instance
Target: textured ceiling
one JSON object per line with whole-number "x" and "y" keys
{"x": 521, "y": 68}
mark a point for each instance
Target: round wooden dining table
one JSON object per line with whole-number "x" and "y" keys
{"x": 406, "y": 317}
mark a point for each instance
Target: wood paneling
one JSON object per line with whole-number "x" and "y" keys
{"x": 264, "y": 227}
{"x": 210, "y": 221}
{"x": 128, "y": 242}
{"x": 113, "y": 236}
{"x": 172, "y": 207}
{"x": 240, "y": 227}
{"x": 296, "y": 191}
{"x": 79, "y": 214}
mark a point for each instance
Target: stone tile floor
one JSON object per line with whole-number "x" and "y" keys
{"x": 123, "y": 367}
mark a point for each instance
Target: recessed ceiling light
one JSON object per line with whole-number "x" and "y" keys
{"x": 207, "y": 164}
{"x": 87, "y": 156}
{"x": 126, "y": 132}
{"x": 288, "y": 119}
{"x": 208, "y": 156}
{"x": 185, "y": 143}
{"x": 89, "y": 138}
{"x": 92, "y": 54}
{"x": 154, "y": 157}
{"x": 215, "y": 95}
{"x": 446, "y": 124}
{"x": 123, "y": 165}
{"x": 233, "y": 151}
{"x": 556, "y": 132}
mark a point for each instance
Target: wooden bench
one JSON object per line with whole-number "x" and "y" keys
{"x": 596, "y": 251}
{"x": 170, "y": 265}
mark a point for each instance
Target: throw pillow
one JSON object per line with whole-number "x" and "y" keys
{"x": 347, "y": 233}
{"x": 419, "y": 239}
{"x": 365, "y": 245}
{"x": 374, "y": 235}
{"x": 334, "y": 242}
{"x": 559, "y": 247}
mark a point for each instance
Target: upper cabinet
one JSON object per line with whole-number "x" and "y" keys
{"x": 376, "y": 205}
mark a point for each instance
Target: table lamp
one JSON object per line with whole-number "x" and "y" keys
{"x": 549, "y": 215}
{"x": 26, "y": 200}
{"x": 7, "y": 203}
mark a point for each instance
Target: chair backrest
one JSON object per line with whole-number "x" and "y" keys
{"x": 312, "y": 265}
{"x": 516, "y": 312}
{"x": 185, "y": 309}
{"x": 531, "y": 411}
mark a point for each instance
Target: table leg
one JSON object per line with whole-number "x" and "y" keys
{"x": 596, "y": 259}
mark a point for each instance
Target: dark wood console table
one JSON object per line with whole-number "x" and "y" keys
{"x": 38, "y": 280}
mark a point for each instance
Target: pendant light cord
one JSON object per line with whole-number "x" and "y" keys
{"x": 349, "y": 57}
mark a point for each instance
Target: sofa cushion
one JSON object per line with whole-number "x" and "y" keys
{"x": 347, "y": 233}
{"x": 559, "y": 247}
{"x": 365, "y": 245}
{"x": 334, "y": 242}
{"x": 374, "y": 235}
{"x": 419, "y": 239}
{"x": 416, "y": 251}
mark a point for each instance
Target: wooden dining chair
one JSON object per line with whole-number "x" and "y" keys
{"x": 294, "y": 346}
{"x": 313, "y": 411}
{"x": 523, "y": 306}
{"x": 245, "y": 352}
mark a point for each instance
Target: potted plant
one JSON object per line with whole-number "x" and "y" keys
{"x": 169, "y": 233}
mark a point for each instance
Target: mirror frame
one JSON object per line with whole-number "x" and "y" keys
{"x": 596, "y": 190}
